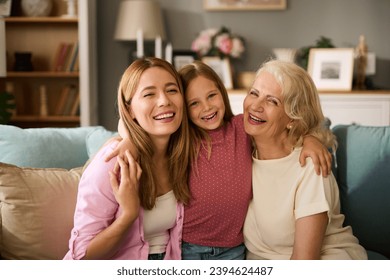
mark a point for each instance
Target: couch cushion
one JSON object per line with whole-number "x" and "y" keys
{"x": 44, "y": 147}
{"x": 36, "y": 211}
{"x": 363, "y": 159}
{"x": 96, "y": 139}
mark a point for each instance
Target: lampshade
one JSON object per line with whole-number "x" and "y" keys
{"x": 136, "y": 15}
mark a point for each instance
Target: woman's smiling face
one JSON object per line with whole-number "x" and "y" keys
{"x": 157, "y": 104}
{"x": 264, "y": 113}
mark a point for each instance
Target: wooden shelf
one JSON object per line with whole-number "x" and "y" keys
{"x": 40, "y": 20}
{"x": 34, "y": 118}
{"x": 42, "y": 74}
{"x": 244, "y": 91}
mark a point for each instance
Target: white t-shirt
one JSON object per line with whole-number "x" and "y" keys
{"x": 283, "y": 191}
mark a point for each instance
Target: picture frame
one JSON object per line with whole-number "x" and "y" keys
{"x": 222, "y": 67}
{"x": 183, "y": 57}
{"x": 5, "y": 7}
{"x": 244, "y": 5}
{"x": 331, "y": 68}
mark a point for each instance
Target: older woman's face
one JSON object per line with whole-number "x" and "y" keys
{"x": 264, "y": 114}
{"x": 157, "y": 104}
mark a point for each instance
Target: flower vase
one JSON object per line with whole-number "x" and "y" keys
{"x": 36, "y": 8}
{"x": 285, "y": 54}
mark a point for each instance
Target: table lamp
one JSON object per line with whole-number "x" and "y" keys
{"x": 140, "y": 20}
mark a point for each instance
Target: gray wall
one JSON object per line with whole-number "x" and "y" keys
{"x": 300, "y": 25}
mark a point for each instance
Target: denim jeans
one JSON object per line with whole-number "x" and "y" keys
{"x": 192, "y": 251}
{"x": 156, "y": 257}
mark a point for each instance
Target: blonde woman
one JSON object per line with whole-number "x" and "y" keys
{"x": 129, "y": 213}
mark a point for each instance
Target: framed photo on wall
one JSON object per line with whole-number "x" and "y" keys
{"x": 183, "y": 57}
{"x": 331, "y": 69}
{"x": 244, "y": 5}
{"x": 5, "y": 7}
{"x": 222, "y": 67}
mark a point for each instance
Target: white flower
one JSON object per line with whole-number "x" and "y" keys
{"x": 238, "y": 48}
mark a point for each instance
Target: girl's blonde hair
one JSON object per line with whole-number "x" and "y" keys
{"x": 188, "y": 73}
{"x": 178, "y": 147}
{"x": 301, "y": 102}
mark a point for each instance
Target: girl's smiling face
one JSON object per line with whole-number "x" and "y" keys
{"x": 205, "y": 103}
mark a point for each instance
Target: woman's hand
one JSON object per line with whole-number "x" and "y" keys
{"x": 126, "y": 191}
{"x": 321, "y": 157}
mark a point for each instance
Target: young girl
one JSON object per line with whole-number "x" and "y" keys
{"x": 220, "y": 179}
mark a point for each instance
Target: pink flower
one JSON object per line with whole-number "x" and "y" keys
{"x": 202, "y": 44}
{"x": 224, "y": 43}
{"x": 220, "y": 42}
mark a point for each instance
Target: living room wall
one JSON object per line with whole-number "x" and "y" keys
{"x": 300, "y": 25}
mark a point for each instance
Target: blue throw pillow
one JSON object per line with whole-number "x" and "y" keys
{"x": 363, "y": 168}
{"x": 97, "y": 138}
{"x": 44, "y": 147}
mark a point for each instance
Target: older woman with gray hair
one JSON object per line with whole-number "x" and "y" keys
{"x": 295, "y": 213}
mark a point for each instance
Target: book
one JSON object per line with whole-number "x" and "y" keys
{"x": 57, "y": 55}
{"x": 43, "y": 108}
{"x": 74, "y": 55}
{"x": 75, "y": 110}
{"x": 72, "y": 94}
{"x": 62, "y": 56}
{"x": 62, "y": 100}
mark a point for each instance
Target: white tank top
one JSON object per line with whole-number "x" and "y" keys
{"x": 158, "y": 221}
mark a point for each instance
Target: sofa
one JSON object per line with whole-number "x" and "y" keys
{"x": 362, "y": 168}
{"x": 39, "y": 173}
{"x": 40, "y": 169}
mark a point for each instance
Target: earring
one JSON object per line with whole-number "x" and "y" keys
{"x": 289, "y": 126}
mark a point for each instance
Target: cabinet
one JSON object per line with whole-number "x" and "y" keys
{"x": 42, "y": 36}
{"x": 363, "y": 108}
{"x": 371, "y": 108}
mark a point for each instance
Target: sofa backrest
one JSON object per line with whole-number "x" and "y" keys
{"x": 363, "y": 168}
{"x": 50, "y": 147}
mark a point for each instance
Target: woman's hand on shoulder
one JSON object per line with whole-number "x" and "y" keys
{"x": 125, "y": 183}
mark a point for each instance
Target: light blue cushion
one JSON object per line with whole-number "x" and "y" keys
{"x": 96, "y": 139}
{"x": 363, "y": 159}
{"x": 44, "y": 147}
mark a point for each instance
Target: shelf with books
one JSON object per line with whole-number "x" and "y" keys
{"x": 43, "y": 38}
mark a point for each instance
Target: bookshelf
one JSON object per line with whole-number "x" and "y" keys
{"x": 42, "y": 37}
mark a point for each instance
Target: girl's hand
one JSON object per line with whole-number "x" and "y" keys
{"x": 320, "y": 155}
{"x": 124, "y": 145}
{"x": 126, "y": 191}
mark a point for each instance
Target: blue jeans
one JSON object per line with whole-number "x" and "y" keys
{"x": 156, "y": 257}
{"x": 190, "y": 251}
